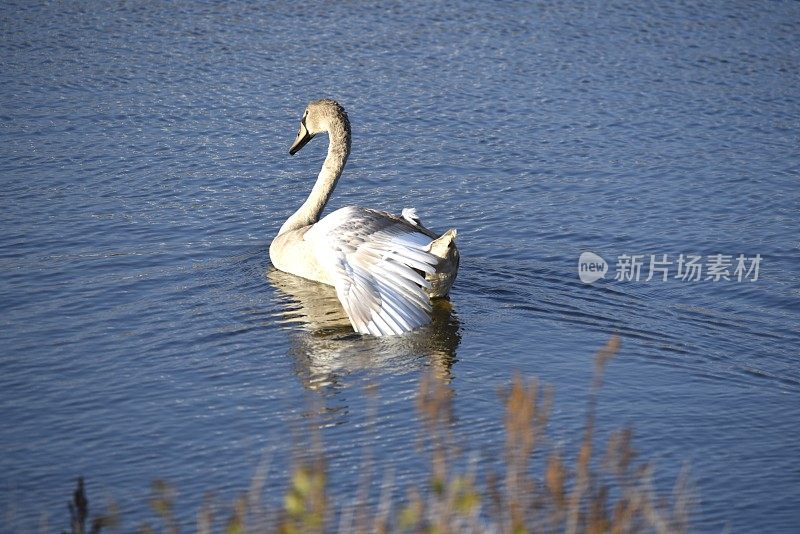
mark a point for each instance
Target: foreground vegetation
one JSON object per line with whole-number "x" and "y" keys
{"x": 540, "y": 490}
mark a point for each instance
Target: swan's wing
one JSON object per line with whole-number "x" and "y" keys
{"x": 374, "y": 260}
{"x": 410, "y": 215}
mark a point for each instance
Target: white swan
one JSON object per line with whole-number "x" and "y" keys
{"x": 385, "y": 268}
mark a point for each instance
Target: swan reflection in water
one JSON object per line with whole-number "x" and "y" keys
{"x": 325, "y": 347}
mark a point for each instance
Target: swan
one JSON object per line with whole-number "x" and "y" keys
{"x": 385, "y": 268}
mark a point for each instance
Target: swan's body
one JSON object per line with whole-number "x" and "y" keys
{"x": 385, "y": 268}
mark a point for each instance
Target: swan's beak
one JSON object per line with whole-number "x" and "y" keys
{"x": 303, "y": 137}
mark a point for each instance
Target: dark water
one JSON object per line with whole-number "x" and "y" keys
{"x": 144, "y": 170}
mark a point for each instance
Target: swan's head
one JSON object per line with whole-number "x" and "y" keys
{"x": 324, "y": 115}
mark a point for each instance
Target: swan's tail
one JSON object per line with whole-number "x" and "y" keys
{"x": 443, "y": 247}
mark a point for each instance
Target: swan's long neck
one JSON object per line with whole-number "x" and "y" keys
{"x": 338, "y": 150}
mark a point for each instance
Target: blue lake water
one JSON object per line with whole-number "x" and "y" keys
{"x": 144, "y": 171}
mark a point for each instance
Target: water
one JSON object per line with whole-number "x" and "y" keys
{"x": 144, "y": 171}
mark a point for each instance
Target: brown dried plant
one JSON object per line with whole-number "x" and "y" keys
{"x": 541, "y": 490}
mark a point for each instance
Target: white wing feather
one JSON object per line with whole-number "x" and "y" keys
{"x": 375, "y": 260}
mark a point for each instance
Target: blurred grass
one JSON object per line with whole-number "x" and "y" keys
{"x": 540, "y": 490}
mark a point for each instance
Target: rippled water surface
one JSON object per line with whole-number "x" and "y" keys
{"x": 144, "y": 170}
